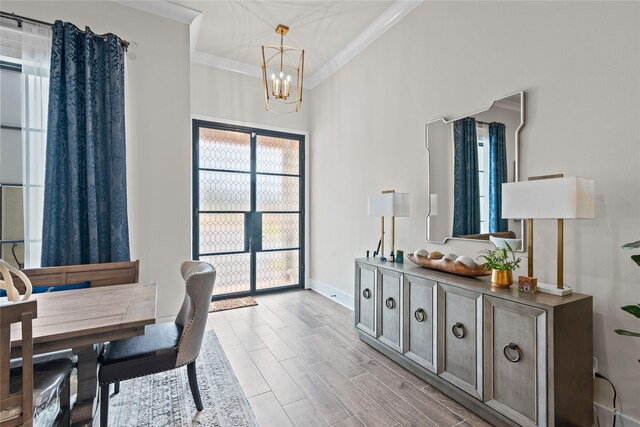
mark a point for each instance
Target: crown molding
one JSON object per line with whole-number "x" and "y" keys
{"x": 398, "y": 10}
{"x": 226, "y": 64}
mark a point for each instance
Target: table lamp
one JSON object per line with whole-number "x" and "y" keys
{"x": 549, "y": 197}
{"x": 389, "y": 203}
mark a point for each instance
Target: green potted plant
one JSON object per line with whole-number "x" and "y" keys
{"x": 633, "y": 309}
{"x": 501, "y": 262}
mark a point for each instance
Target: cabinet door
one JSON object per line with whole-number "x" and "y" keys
{"x": 419, "y": 316}
{"x": 460, "y": 338}
{"x": 515, "y": 361}
{"x": 365, "y": 298}
{"x": 389, "y": 308}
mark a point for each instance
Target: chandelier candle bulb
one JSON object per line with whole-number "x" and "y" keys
{"x": 287, "y": 87}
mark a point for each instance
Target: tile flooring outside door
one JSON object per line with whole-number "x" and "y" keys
{"x": 300, "y": 363}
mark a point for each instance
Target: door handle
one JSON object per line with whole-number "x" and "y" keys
{"x": 366, "y": 294}
{"x": 420, "y": 315}
{"x": 390, "y": 303}
{"x": 456, "y": 327}
{"x": 250, "y": 243}
{"x": 506, "y": 350}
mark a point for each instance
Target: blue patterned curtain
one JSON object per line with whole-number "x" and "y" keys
{"x": 85, "y": 198}
{"x": 497, "y": 176}
{"x": 466, "y": 192}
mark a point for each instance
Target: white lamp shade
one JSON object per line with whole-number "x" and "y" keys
{"x": 389, "y": 204}
{"x": 554, "y": 198}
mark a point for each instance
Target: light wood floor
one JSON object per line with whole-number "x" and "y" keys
{"x": 300, "y": 363}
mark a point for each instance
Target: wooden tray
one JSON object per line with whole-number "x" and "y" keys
{"x": 449, "y": 266}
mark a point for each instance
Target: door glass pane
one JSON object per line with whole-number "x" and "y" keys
{"x": 275, "y": 269}
{"x": 232, "y": 272}
{"x": 221, "y": 233}
{"x": 277, "y": 193}
{"x": 223, "y": 149}
{"x": 280, "y": 231}
{"x": 225, "y": 191}
{"x": 277, "y": 155}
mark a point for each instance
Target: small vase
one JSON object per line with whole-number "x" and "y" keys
{"x": 501, "y": 278}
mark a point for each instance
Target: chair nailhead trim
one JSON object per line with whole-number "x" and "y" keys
{"x": 149, "y": 373}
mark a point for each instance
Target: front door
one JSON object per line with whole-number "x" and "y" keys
{"x": 248, "y": 207}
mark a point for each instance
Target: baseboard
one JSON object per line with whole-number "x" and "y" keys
{"x": 331, "y": 293}
{"x": 623, "y": 420}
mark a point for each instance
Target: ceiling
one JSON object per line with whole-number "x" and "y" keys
{"x": 228, "y": 34}
{"x": 236, "y": 30}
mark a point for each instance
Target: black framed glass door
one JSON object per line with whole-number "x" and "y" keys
{"x": 248, "y": 207}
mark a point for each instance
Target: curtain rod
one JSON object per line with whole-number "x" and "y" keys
{"x": 20, "y": 19}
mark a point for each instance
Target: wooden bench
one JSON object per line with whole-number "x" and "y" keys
{"x": 106, "y": 274}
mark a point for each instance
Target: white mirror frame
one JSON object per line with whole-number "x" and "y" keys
{"x": 516, "y": 167}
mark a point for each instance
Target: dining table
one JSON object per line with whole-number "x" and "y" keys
{"x": 82, "y": 321}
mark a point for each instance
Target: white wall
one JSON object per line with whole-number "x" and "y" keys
{"x": 235, "y": 97}
{"x": 158, "y": 133}
{"x": 579, "y": 64}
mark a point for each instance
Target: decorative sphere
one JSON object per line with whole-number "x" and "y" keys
{"x": 421, "y": 252}
{"x": 466, "y": 260}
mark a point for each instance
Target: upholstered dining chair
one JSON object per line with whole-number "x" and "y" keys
{"x": 164, "y": 346}
{"x": 30, "y": 391}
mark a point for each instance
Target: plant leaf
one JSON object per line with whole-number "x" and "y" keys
{"x": 627, "y": 333}
{"x": 633, "y": 309}
{"x": 636, "y": 259}
{"x": 632, "y": 245}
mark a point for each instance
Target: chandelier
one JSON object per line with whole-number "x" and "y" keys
{"x": 282, "y": 75}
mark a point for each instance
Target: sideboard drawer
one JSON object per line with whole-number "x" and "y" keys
{"x": 515, "y": 360}
{"x": 389, "y": 308}
{"x": 419, "y": 320}
{"x": 460, "y": 338}
{"x": 365, "y": 313}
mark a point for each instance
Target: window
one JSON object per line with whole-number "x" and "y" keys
{"x": 11, "y": 200}
{"x": 482, "y": 131}
{"x": 24, "y": 90}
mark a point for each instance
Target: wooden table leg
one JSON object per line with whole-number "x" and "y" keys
{"x": 86, "y": 403}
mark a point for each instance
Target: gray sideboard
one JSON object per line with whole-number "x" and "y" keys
{"x": 512, "y": 358}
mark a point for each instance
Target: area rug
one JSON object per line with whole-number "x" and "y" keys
{"x": 231, "y": 303}
{"x": 165, "y": 399}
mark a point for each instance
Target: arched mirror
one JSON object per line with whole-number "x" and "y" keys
{"x": 469, "y": 160}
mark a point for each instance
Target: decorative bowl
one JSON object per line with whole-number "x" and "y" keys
{"x": 449, "y": 266}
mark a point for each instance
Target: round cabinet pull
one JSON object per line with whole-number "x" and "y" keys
{"x": 459, "y": 327}
{"x": 420, "y": 315}
{"x": 390, "y": 303}
{"x": 366, "y": 294}
{"x": 507, "y": 349}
